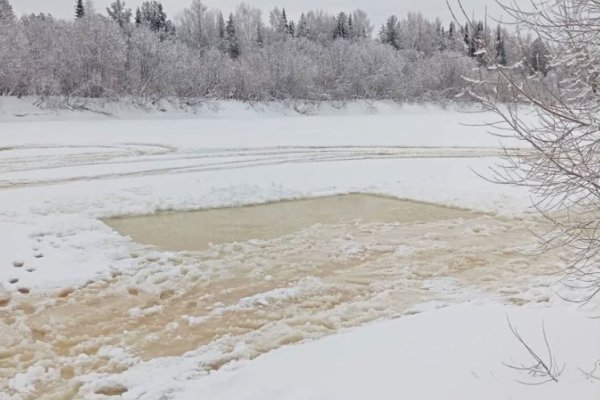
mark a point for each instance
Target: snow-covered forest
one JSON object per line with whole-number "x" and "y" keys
{"x": 142, "y": 51}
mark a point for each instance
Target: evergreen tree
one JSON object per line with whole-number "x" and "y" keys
{"x": 467, "y": 36}
{"x": 280, "y": 23}
{"x": 473, "y": 43}
{"x": 472, "y": 47}
{"x": 472, "y": 40}
{"x": 138, "y": 17}
{"x": 351, "y": 29}
{"x": 443, "y": 39}
{"x": 302, "y": 29}
{"x": 292, "y": 28}
{"x": 390, "y": 32}
{"x": 539, "y": 58}
{"x": 119, "y": 13}
{"x": 79, "y": 9}
{"x": 153, "y": 15}
{"x": 233, "y": 44}
{"x": 500, "y": 48}
{"x": 451, "y": 31}
{"x": 6, "y": 12}
{"x": 340, "y": 31}
{"x": 482, "y": 44}
{"x": 161, "y": 18}
{"x": 477, "y": 47}
{"x": 259, "y": 34}
{"x": 284, "y": 27}
{"x": 480, "y": 32}
{"x": 221, "y": 26}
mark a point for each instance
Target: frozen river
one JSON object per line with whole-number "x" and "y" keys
{"x": 180, "y": 245}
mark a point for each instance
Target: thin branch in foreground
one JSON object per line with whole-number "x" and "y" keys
{"x": 594, "y": 374}
{"x": 540, "y": 371}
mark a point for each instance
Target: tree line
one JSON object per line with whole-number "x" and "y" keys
{"x": 203, "y": 54}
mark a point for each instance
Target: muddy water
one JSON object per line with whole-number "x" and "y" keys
{"x": 312, "y": 282}
{"x": 198, "y": 229}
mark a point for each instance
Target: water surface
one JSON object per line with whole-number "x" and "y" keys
{"x": 196, "y": 230}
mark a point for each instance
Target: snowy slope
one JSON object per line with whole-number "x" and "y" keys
{"x": 455, "y": 353}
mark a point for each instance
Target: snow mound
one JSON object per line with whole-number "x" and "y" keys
{"x": 456, "y": 353}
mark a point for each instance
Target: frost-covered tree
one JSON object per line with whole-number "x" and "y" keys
{"x": 279, "y": 22}
{"x": 45, "y": 68}
{"x": 154, "y": 16}
{"x": 97, "y": 56}
{"x": 90, "y": 9}
{"x": 454, "y": 40}
{"x": 319, "y": 26}
{"x": 147, "y": 56}
{"x": 361, "y": 24}
{"x": 418, "y": 33}
{"x": 342, "y": 28}
{"x": 99, "y": 68}
{"x": 6, "y": 12}
{"x": 248, "y": 23}
{"x": 194, "y": 25}
{"x": 13, "y": 58}
{"x": 412, "y": 33}
{"x": 119, "y": 13}
{"x": 302, "y": 28}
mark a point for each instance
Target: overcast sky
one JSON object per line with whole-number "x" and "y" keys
{"x": 378, "y": 10}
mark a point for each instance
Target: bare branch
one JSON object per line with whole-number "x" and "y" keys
{"x": 541, "y": 370}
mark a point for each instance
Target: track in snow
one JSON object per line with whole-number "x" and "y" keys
{"x": 47, "y": 165}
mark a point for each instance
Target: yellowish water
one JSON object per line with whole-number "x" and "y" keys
{"x": 196, "y": 230}
{"x": 320, "y": 266}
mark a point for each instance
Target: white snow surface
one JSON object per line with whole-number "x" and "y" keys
{"x": 459, "y": 352}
